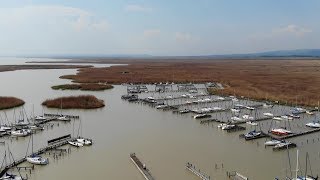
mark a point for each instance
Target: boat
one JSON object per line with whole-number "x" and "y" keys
{"x": 184, "y": 111}
{"x": 40, "y": 118}
{"x": 247, "y": 117}
{"x": 228, "y": 126}
{"x": 21, "y": 132}
{"x": 199, "y": 116}
{"x": 84, "y": 141}
{"x": 38, "y": 160}
{"x": 63, "y": 118}
{"x": 309, "y": 112}
{"x": 314, "y": 124}
{"x": 252, "y": 134}
{"x": 265, "y": 105}
{"x": 161, "y": 106}
{"x": 221, "y": 125}
{"x": 284, "y": 144}
{"x": 8, "y": 176}
{"x": 280, "y": 132}
{"x": 4, "y": 128}
{"x": 277, "y": 118}
{"x": 234, "y": 99}
{"x": 306, "y": 177}
{"x": 34, "y": 158}
{"x": 75, "y": 143}
{"x": 294, "y": 115}
{"x": 250, "y": 108}
{"x": 235, "y": 110}
{"x": 287, "y": 117}
{"x": 252, "y": 123}
{"x": 268, "y": 114}
{"x": 272, "y": 142}
{"x": 235, "y": 118}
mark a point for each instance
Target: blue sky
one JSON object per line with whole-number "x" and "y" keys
{"x": 162, "y": 27}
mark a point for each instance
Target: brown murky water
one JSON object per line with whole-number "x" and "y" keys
{"x": 163, "y": 140}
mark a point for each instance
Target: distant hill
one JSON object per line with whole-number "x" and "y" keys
{"x": 280, "y": 53}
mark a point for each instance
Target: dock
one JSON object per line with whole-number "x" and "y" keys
{"x": 198, "y": 173}
{"x": 236, "y": 176}
{"x": 53, "y": 146}
{"x": 262, "y": 135}
{"x": 295, "y": 134}
{"x": 58, "y": 115}
{"x": 141, "y": 167}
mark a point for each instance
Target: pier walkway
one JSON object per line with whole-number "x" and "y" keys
{"x": 141, "y": 167}
{"x": 193, "y": 169}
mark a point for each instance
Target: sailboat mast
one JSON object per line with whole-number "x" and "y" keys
{"x": 297, "y": 165}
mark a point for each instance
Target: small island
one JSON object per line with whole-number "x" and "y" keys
{"x": 75, "y": 102}
{"x": 10, "y": 102}
{"x": 83, "y": 87}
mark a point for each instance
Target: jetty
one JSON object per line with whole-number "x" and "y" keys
{"x": 58, "y": 115}
{"x": 198, "y": 173}
{"x": 141, "y": 167}
{"x": 236, "y": 176}
{"x": 52, "y": 145}
{"x": 294, "y": 134}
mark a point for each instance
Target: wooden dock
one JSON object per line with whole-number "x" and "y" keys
{"x": 58, "y": 115}
{"x": 40, "y": 151}
{"x": 196, "y": 172}
{"x": 141, "y": 167}
{"x": 236, "y": 176}
{"x": 294, "y": 134}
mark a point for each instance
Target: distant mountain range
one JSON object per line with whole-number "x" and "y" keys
{"x": 307, "y": 53}
{"x": 281, "y": 53}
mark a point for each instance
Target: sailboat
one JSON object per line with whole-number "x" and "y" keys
{"x": 4, "y": 174}
{"x": 62, "y": 117}
{"x": 306, "y": 177}
{"x": 84, "y": 141}
{"x": 272, "y": 142}
{"x": 21, "y": 132}
{"x": 36, "y": 159}
{"x": 9, "y": 176}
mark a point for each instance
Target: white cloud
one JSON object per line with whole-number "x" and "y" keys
{"x": 137, "y": 8}
{"x": 292, "y": 29}
{"x": 151, "y": 33}
{"x": 182, "y": 36}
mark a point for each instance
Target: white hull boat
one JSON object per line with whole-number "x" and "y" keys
{"x": 38, "y": 160}
{"x": 272, "y": 142}
{"x": 313, "y": 125}
{"x": 227, "y": 126}
{"x": 75, "y": 143}
{"x": 268, "y": 114}
{"x": 21, "y": 132}
{"x": 86, "y": 142}
{"x": 252, "y": 123}
{"x": 40, "y": 118}
{"x": 8, "y": 176}
{"x": 63, "y": 118}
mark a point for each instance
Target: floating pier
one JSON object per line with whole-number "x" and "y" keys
{"x": 198, "y": 173}
{"x": 62, "y": 141}
{"x": 141, "y": 167}
{"x": 294, "y": 134}
{"x": 58, "y": 115}
{"x": 236, "y": 176}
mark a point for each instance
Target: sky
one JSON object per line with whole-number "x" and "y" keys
{"x": 160, "y": 28}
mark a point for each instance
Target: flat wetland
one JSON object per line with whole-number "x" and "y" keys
{"x": 163, "y": 140}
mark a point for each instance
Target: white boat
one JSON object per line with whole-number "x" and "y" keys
{"x": 267, "y": 105}
{"x": 21, "y": 132}
{"x": 161, "y": 106}
{"x": 287, "y": 117}
{"x": 221, "y": 125}
{"x": 310, "y": 112}
{"x": 235, "y": 110}
{"x": 4, "y": 128}
{"x": 282, "y": 144}
{"x": 38, "y": 160}
{"x": 252, "y": 123}
{"x": 272, "y": 142}
{"x": 169, "y": 97}
{"x": 247, "y": 117}
{"x": 8, "y": 176}
{"x": 228, "y": 126}
{"x": 235, "y": 118}
{"x": 250, "y": 108}
{"x": 63, "y": 118}
{"x": 234, "y": 99}
{"x": 268, "y": 114}
{"x": 40, "y": 118}
{"x": 277, "y": 118}
{"x": 198, "y": 116}
{"x": 84, "y": 141}
{"x": 313, "y": 124}
{"x": 75, "y": 143}
{"x": 220, "y": 98}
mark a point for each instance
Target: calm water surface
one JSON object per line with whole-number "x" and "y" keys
{"x": 163, "y": 140}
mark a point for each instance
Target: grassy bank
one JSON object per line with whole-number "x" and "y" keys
{"x": 75, "y": 102}
{"x": 83, "y": 87}
{"x": 10, "y": 102}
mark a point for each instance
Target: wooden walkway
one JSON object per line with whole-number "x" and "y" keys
{"x": 294, "y": 134}
{"x": 198, "y": 173}
{"x": 236, "y": 176}
{"x": 141, "y": 167}
{"x": 40, "y": 151}
{"x": 58, "y": 115}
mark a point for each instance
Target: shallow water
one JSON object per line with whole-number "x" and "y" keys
{"x": 161, "y": 139}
